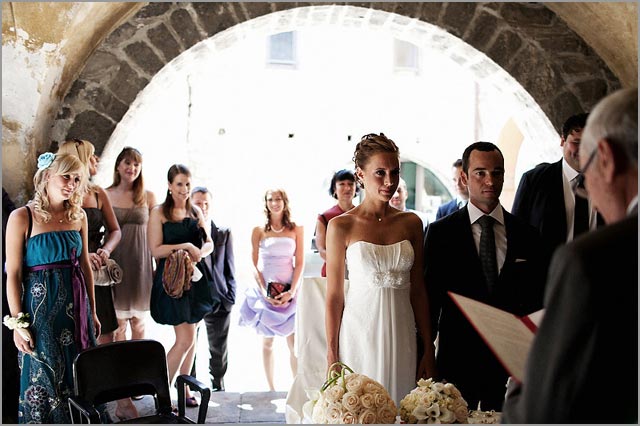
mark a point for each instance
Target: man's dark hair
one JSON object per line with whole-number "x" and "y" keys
{"x": 575, "y": 122}
{"x": 477, "y": 146}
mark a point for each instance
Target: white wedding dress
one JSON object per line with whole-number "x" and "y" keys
{"x": 378, "y": 332}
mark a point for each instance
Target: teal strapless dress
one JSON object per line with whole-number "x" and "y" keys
{"x": 60, "y": 326}
{"x": 194, "y": 303}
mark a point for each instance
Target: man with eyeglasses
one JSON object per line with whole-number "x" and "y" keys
{"x": 583, "y": 365}
{"x": 545, "y": 197}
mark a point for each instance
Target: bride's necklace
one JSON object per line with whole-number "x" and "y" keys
{"x": 277, "y": 231}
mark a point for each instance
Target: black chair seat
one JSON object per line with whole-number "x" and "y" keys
{"x": 124, "y": 369}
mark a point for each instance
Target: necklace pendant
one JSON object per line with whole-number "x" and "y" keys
{"x": 379, "y": 219}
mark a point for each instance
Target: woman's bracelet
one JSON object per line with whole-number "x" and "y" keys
{"x": 19, "y": 321}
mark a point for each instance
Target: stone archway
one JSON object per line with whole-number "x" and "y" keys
{"x": 557, "y": 68}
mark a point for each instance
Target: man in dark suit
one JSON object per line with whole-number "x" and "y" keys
{"x": 579, "y": 369}
{"x": 497, "y": 259}
{"x": 544, "y": 197}
{"x": 462, "y": 194}
{"x": 221, "y": 265}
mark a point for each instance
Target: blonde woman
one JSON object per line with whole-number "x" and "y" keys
{"x": 278, "y": 257}
{"x": 97, "y": 206}
{"x": 49, "y": 278}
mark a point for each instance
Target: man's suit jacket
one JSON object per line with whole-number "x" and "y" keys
{"x": 447, "y": 208}
{"x": 462, "y": 357}
{"x": 222, "y": 267}
{"x": 539, "y": 201}
{"x": 579, "y": 369}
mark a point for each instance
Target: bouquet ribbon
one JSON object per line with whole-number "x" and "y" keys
{"x": 333, "y": 375}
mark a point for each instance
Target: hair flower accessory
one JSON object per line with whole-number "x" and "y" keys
{"x": 45, "y": 160}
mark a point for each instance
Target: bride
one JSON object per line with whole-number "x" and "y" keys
{"x": 373, "y": 328}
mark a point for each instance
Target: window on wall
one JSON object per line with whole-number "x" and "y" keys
{"x": 282, "y": 49}
{"x": 405, "y": 56}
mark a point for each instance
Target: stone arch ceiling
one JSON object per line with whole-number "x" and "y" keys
{"x": 546, "y": 56}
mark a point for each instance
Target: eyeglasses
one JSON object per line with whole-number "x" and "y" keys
{"x": 578, "y": 184}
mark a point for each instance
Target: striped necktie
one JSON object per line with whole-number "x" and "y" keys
{"x": 487, "y": 252}
{"x": 581, "y": 214}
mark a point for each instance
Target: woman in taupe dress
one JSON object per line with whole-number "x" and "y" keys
{"x": 131, "y": 204}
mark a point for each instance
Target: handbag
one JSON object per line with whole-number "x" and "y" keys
{"x": 274, "y": 288}
{"x": 177, "y": 273}
{"x": 109, "y": 274}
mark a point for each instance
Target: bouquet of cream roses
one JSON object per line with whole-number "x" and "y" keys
{"x": 434, "y": 402}
{"x": 351, "y": 398}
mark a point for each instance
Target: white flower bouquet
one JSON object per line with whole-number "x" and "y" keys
{"x": 434, "y": 402}
{"x": 351, "y": 398}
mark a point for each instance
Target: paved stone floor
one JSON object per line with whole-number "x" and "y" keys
{"x": 232, "y": 407}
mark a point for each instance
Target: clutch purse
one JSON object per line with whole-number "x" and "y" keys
{"x": 108, "y": 274}
{"x": 274, "y": 289}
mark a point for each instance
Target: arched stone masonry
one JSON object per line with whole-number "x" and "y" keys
{"x": 553, "y": 64}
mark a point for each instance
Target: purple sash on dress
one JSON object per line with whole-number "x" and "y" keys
{"x": 79, "y": 298}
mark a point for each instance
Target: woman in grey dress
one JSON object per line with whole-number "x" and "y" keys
{"x": 131, "y": 204}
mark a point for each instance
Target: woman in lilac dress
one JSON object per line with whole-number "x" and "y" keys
{"x": 278, "y": 257}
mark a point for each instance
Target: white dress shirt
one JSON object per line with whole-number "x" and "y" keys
{"x": 499, "y": 231}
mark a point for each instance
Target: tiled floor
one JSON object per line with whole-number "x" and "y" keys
{"x": 232, "y": 407}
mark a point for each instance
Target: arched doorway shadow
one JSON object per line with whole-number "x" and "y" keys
{"x": 243, "y": 125}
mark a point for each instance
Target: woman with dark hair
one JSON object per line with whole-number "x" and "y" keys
{"x": 131, "y": 203}
{"x": 343, "y": 188}
{"x": 173, "y": 225}
{"x": 278, "y": 260}
{"x": 372, "y": 328}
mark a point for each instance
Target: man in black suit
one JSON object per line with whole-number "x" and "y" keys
{"x": 221, "y": 265}
{"x": 485, "y": 253}
{"x": 580, "y": 370}
{"x": 462, "y": 194}
{"x": 544, "y": 197}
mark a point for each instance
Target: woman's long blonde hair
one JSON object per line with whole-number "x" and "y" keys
{"x": 84, "y": 150}
{"x": 63, "y": 164}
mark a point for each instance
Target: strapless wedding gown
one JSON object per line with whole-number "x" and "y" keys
{"x": 378, "y": 331}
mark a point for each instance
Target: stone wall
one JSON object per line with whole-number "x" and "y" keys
{"x": 560, "y": 71}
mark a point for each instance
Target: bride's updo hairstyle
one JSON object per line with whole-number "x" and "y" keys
{"x": 369, "y": 146}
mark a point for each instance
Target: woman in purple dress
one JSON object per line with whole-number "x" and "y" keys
{"x": 278, "y": 258}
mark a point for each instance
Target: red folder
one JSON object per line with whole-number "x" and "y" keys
{"x": 509, "y": 336}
